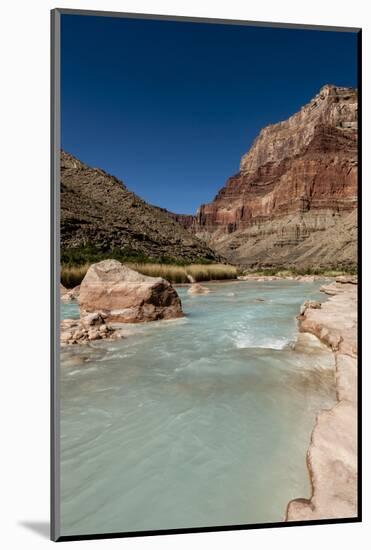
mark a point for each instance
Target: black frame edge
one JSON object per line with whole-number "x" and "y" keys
{"x": 164, "y": 532}
{"x": 360, "y": 280}
{"x": 216, "y": 21}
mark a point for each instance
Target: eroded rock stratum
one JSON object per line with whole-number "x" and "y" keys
{"x": 293, "y": 201}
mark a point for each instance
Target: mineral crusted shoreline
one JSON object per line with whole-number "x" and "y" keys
{"x": 332, "y": 453}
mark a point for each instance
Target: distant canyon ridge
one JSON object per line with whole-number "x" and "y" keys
{"x": 101, "y": 218}
{"x": 293, "y": 202}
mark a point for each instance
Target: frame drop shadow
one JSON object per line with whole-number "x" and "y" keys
{"x": 42, "y": 528}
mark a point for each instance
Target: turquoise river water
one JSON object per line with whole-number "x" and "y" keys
{"x": 195, "y": 422}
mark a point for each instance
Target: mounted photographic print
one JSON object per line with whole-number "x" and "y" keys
{"x": 204, "y": 261}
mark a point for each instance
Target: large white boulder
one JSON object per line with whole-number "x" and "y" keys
{"x": 126, "y": 296}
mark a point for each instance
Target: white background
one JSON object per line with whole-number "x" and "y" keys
{"x": 24, "y": 313}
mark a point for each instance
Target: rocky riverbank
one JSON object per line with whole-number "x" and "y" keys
{"x": 332, "y": 454}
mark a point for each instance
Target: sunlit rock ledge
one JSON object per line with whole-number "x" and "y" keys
{"x": 332, "y": 454}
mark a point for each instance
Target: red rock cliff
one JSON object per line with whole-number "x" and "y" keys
{"x": 299, "y": 177}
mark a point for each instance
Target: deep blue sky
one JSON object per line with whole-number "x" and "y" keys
{"x": 170, "y": 107}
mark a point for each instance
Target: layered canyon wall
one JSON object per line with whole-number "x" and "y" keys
{"x": 294, "y": 200}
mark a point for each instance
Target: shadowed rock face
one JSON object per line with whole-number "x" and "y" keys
{"x": 297, "y": 183}
{"x": 98, "y": 210}
{"x": 125, "y": 296}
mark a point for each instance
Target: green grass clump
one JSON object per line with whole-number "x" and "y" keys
{"x": 91, "y": 254}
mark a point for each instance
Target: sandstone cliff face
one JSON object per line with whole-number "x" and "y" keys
{"x": 299, "y": 179}
{"x": 98, "y": 210}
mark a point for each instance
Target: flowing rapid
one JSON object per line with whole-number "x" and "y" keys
{"x": 200, "y": 421}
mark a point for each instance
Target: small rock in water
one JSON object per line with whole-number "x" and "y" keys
{"x": 306, "y": 278}
{"x": 69, "y": 295}
{"x": 93, "y": 319}
{"x": 196, "y": 288}
{"x": 91, "y": 327}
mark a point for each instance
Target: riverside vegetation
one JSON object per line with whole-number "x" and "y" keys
{"x": 72, "y": 275}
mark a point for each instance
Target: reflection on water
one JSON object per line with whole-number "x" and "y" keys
{"x": 200, "y": 421}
